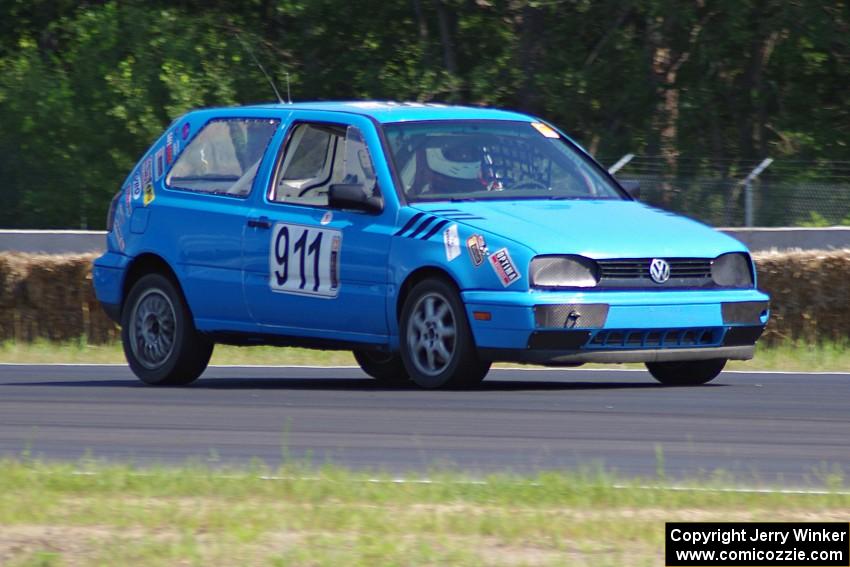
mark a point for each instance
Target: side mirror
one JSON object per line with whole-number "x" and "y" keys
{"x": 353, "y": 196}
{"x": 632, "y": 187}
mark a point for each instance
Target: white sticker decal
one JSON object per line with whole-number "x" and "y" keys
{"x": 451, "y": 240}
{"x": 137, "y": 187}
{"x": 545, "y": 130}
{"x": 504, "y": 267}
{"x": 305, "y": 260}
{"x": 119, "y": 236}
{"x": 327, "y": 218}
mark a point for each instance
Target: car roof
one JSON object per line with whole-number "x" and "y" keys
{"x": 388, "y": 111}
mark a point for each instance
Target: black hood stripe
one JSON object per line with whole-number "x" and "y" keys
{"x": 409, "y": 223}
{"x": 422, "y": 226}
{"x": 435, "y": 229}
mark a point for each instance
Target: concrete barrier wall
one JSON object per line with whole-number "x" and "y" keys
{"x": 762, "y": 239}
{"x": 52, "y": 241}
{"x": 51, "y": 297}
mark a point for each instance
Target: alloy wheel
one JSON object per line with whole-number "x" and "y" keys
{"x": 431, "y": 334}
{"x": 153, "y": 329}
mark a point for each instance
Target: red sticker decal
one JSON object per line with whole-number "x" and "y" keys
{"x": 169, "y": 148}
{"x": 160, "y": 163}
{"x": 504, "y": 267}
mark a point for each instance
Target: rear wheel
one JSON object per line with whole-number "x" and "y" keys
{"x": 687, "y": 373}
{"x": 385, "y": 367}
{"x": 437, "y": 347}
{"x": 159, "y": 336}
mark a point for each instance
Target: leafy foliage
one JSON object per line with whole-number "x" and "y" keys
{"x": 85, "y": 87}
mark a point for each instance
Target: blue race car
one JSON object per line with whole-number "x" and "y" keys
{"x": 431, "y": 240}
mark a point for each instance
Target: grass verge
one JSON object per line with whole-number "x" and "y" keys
{"x": 51, "y": 514}
{"x": 81, "y": 352}
{"x": 787, "y": 357}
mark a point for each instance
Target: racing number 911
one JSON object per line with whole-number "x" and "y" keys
{"x": 298, "y": 262}
{"x": 429, "y": 240}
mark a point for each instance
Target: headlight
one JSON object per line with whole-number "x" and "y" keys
{"x": 732, "y": 270}
{"x": 563, "y": 271}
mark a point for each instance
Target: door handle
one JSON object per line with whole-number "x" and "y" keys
{"x": 262, "y": 222}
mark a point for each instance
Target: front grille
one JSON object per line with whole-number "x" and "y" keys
{"x": 655, "y": 338}
{"x": 634, "y": 272}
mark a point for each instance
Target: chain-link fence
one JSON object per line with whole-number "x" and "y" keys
{"x": 790, "y": 193}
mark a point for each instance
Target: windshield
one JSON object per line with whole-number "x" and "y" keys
{"x": 491, "y": 159}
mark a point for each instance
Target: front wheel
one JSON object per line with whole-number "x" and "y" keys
{"x": 159, "y": 336}
{"x": 437, "y": 347}
{"x": 687, "y": 373}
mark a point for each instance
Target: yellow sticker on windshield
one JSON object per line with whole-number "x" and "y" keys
{"x": 545, "y": 130}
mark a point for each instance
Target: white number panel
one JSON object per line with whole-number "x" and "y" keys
{"x": 305, "y": 260}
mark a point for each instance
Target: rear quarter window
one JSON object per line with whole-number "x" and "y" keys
{"x": 224, "y": 157}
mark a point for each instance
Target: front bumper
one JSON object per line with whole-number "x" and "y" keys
{"x": 570, "y": 358}
{"x": 616, "y": 326}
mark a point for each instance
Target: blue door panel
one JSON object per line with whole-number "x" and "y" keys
{"x": 357, "y": 305}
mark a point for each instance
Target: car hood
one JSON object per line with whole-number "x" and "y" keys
{"x": 596, "y": 229}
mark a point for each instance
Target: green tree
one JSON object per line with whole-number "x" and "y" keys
{"x": 708, "y": 86}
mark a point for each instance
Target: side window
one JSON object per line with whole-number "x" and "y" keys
{"x": 312, "y": 162}
{"x": 224, "y": 157}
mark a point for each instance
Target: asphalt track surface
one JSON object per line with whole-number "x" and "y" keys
{"x": 785, "y": 428}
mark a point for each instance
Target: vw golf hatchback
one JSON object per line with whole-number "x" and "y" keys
{"x": 430, "y": 240}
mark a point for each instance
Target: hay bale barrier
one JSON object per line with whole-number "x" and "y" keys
{"x": 51, "y": 297}
{"x": 809, "y": 295}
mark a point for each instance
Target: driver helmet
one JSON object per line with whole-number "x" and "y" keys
{"x": 461, "y": 167}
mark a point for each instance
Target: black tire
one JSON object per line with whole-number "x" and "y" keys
{"x": 688, "y": 373}
{"x": 453, "y": 360}
{"x": 158, "y": 333}
{"x": 385, "y": 367}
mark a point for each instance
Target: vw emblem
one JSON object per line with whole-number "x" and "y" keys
{"x": 659, "y": 270}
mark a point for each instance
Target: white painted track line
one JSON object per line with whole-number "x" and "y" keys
{"x": 480, "y": 482}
